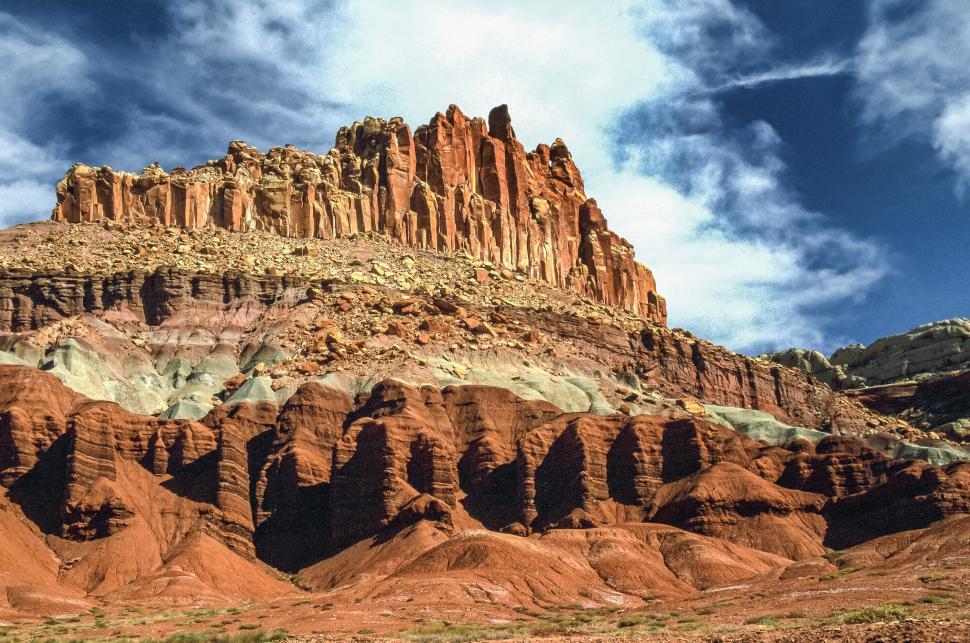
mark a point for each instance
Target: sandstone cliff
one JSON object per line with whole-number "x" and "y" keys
{"x": 456, "y": 184}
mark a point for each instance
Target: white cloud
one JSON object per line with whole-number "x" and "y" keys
{"x": 628, "y": 86}
{"x": 27, "y": 172}
{"x": 951, "y": 136}
{"x": 36, "y": 65}
{"x": 24, "y": 200}
{"x": 23, "y": 157}
{"x": 737, "y": 256}
{"x": 913, "y": 80}
{"x": 36, "y": 68}
{"x": 564, "y": 69}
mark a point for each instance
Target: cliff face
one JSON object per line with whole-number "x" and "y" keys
{"x": 922, "y": 375}
{"x": 32, "y": 301}
{"x": 293, "y": 484}
{"x": 456, "y": 184}
{"x": 671, "y": 362}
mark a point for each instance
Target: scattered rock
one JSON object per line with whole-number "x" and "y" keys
{"x": 397, "y": 328}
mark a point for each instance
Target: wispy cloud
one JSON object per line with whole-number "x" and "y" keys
{"x": 913, "y": 77}
{"x": 38, "y": 68}
{"x": 816, "y": 69}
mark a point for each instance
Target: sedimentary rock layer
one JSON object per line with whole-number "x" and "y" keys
{"x": 294, "y": 485}
{"x": 456, "y": 184}
{"x": 672, "y": 362}
{"x": 32, "y": 301}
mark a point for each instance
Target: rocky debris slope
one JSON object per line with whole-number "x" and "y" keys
{"x": 929, "y": 349}
{"x": 456, "y": 184}
{"x": 762, "y": 426}
{"x": 300, "y": 486}
{"x": 939, "y": 404}
{"x": 921, "y": 376}
{"x": 151, "y": 319}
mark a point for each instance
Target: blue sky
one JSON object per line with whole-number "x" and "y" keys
{"x": 795, "y": 173}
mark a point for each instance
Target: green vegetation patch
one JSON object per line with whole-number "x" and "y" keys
{"x": 765, "y": 620}
{"x": 242, "y": 637}
{"x": 887, "y": 613}
{"x": 590, "y": 622}
{"x": 934, "y": 578}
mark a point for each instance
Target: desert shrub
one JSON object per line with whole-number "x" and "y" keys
{"x": 886, "y": 613}
{"x": 766, "y": 620}
{"x": 633, "y": 621}
{"x": 933, "y": 599}
{"x": 686, "y": 625}
{"x": 209, "y": 637}
{"x": 934, "y": 578}
{"x": 841, "y": 573}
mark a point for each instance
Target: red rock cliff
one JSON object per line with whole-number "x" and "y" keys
{"x": 455, "y": 184}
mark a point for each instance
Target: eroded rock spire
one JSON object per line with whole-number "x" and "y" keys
{"x": 455, "y": 184}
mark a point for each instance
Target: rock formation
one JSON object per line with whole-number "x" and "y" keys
{"x": 940, "y": 403}
{"x": 419, "y": 371}
{"x": 928, "y": 349}
{"x": 817, "y": 365}
{"x": 922, "y": 375}
{"x": 704, "y": 370}
{"x": 250, "y": 478}
{"x": 185, "y": 307}
{"x": 456, "y": 184}
{"x": 730, "y": 502}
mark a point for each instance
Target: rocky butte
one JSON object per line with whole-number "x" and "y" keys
{"x": 456, "y": 183}
{"x": 415, "y": 387}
